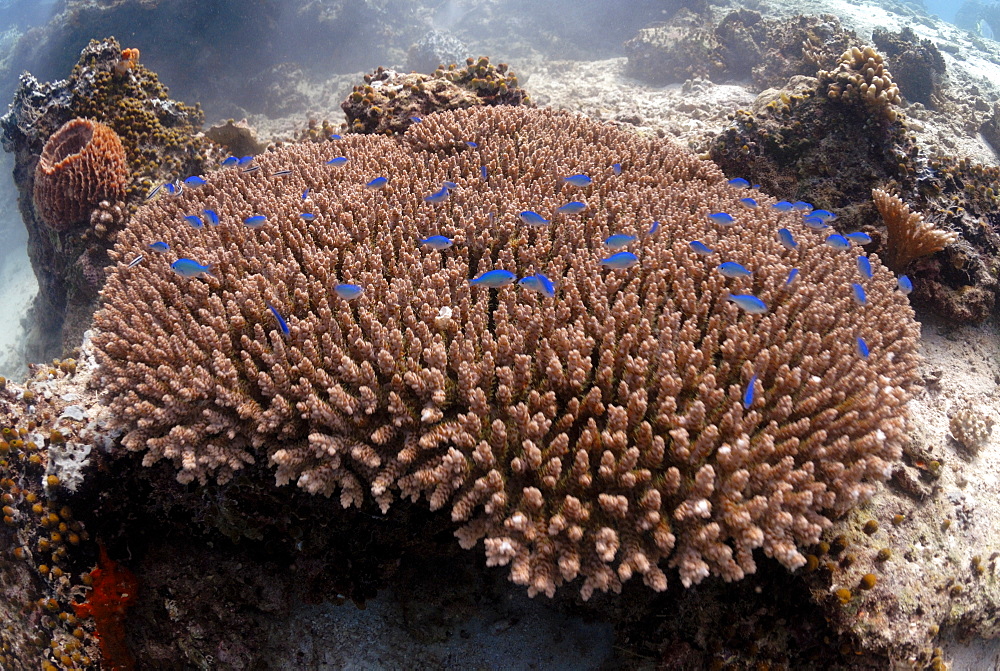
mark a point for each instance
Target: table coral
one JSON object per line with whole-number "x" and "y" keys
{"x": 602, "y": 433}
{"x": 82, "y": 164}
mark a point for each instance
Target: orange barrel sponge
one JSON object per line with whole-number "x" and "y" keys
{"x": 81, "y": 164}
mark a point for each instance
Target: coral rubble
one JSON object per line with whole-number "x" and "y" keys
{"x": 582, "y": 436}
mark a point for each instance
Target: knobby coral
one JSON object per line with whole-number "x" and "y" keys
{"x": 82, "y": 164}
{"x": 600, "y": 433}
{"x": 861, "y": 75}
{"x": 908, "y": 235}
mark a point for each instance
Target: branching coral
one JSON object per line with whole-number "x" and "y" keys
{"x": 82, "y": 164}
{"x": 602, "y": 433}
{"x": 908, "y": 235}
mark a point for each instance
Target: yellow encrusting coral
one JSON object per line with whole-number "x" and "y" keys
{"x": 602, "y": 433}
{"x": 861, "y": 75}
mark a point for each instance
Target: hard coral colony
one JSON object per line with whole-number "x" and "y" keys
{"x": 601, "y": 431}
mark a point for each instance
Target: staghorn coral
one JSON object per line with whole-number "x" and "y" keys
{"x": 908, "y": 235}
{"x": 861, "y": 75}
{"x": 82, "y": 164}
{"x": 599, "y": 434}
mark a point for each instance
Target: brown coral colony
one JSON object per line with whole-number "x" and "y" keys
{"x": 82, "y": 164}
{"x": 602, "y": 433}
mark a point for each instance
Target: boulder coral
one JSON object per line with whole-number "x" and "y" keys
{"x": 635, "y": 421}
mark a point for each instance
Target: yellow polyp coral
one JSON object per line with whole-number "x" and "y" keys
{"x": 635, "y": 421}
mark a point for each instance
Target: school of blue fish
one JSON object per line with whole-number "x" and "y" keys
{"x": 814, "y": 219}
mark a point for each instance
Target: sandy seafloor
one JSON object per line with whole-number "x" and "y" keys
{"x": 966, "y": 360}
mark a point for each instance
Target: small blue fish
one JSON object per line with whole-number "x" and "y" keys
{"x": 253, "y": 168}
{"x": 437, "y": 242}
{"x": 533, "y": 219}
{"x": 617, "y": 167}
{"x": 825, "y": 215}
{"x": 539, "y": 283}
{"x": 802, "y": 206}
{"x": 865, "y": 266}
{"x": 859, "y": 238}
{"x": 721, "y": 218}
{"x": 437, "y": 197}
{"x": 815, "y": 223}
{"x": 155, "y": 191}
{"x": 134, "y": 262}
{"x": 654, "y": 227}
{"x": 837, "y": 241}
{"x": 282, "y": 324}
{"x": 348, "y": 291}
{"x": 748, "y": 394}
{"x": 578, "y": 180}
{"x": 904, "y": 284}
{"x": 195, "y": 221}
{"x": 337, "y": 161}
{"x": 195, "y": 180}
{"x": 782, "y": 206}
{"x": 471, "y": 144}
{"x": 700, "y": 248}
{"x": 862, "y": 347}
{"x": 305, "y": 194}
{"x": 619, "y": 241}
{"x": 792, "y": 274}
{"x": 415, "y": 119}
{"x": 739, "y": 183}
{"x": 212, "y": 217}
{"x": 281, "y": 173}
{"x": 749, "y": 203}
{"x": 245, "y": 160}
{"x": 307, "y": 216}
{"x": 191, "y": 268}
{"x": 172, "y": 188}
{"x": 334, "y": 136}
{"x": 484, "y": 173}
{"x": 377, "y": 183}
{"x": 160, "y": 247}
{"x": 230, "y": 161}
{"x": 786, "y": 239}
{"x": 732, "y": 269}
{"x": 255, "y": 221}
{"x": 494, "y": 279}
{"x": 620, "y": 261}
{"x": 450, "y": 185}
{"x": 859, "y": 293}
{"x": 748, "y": 303}
{"x": 572, "y": 207}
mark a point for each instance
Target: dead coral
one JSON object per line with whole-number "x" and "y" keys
{"x": 601, "y": 434}
{"x": 908, "y": 235}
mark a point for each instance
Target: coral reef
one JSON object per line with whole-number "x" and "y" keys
{"x": 742, "y": 45}
{"x": 582, "y": 436}
{"x": 908, "y": 236}
{"x": 802, "y": 145}
{"x": 81, "y": 164}
{"x": 111, "y": 89}
{"x": 389, "y": 101}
